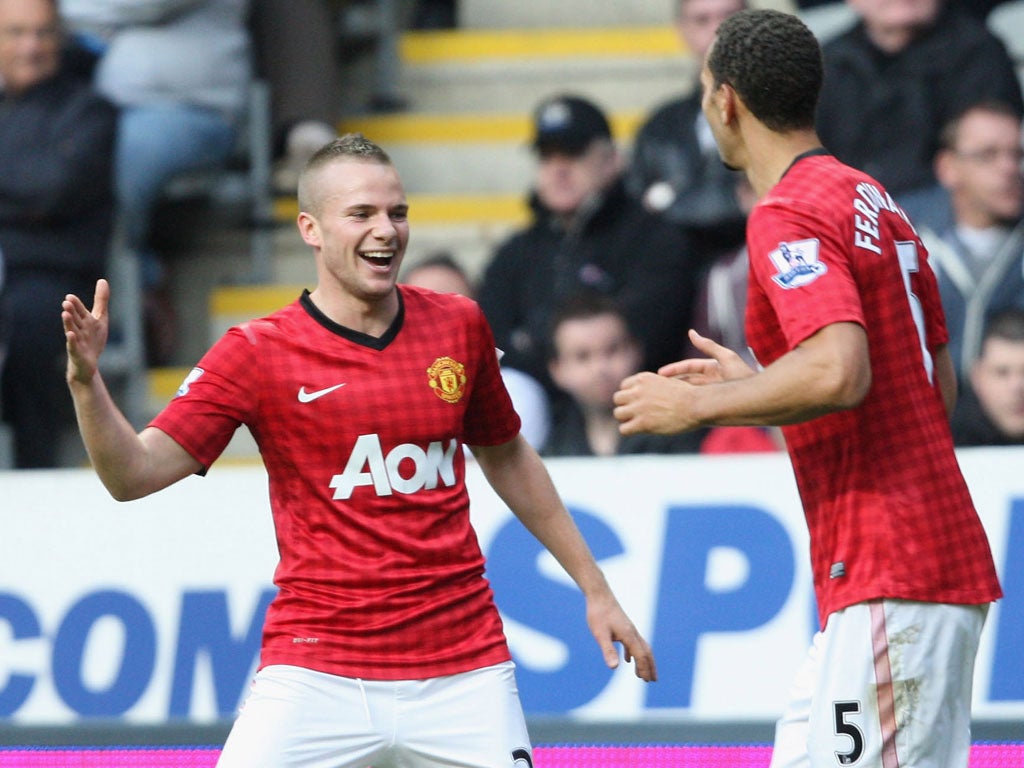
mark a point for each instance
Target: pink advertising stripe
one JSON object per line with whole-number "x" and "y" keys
{"x": 883, "y": 682}
{"x": 566, "y": 756}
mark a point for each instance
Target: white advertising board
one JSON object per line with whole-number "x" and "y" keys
{"x": 151, "y": 610}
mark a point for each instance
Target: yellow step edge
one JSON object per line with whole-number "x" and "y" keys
{"x": 467, "y": 45}
{"x": 419, "y": 127}
{"x": 248, "y": 301}
{"x": 164, "y": 382}
{"x": 425, "y": 210}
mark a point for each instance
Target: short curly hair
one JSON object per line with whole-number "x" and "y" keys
{"x": 774, "y": 62}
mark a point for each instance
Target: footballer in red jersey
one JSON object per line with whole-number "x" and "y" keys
{"x": 844, "y": 317}
{"x": 361, "y": 396}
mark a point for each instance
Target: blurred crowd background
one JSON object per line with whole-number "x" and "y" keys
{"x": 559, "y": 170}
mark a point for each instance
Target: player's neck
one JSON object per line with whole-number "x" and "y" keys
{"x": 372, "y": 316}
{"x": 772, "y": 153}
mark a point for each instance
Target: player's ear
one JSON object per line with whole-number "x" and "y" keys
{"x": 309, "y": 229}
{"x": 727, "y": 103}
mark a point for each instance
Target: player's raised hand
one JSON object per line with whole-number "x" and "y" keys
{"x": 721, "y": 364}
{"x": 85, "y": 332}
{"x": 609, "y": 625}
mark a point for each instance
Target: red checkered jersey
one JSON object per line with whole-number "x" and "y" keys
{"x": 380, "y": 573}
{"x": 888, "y": 511}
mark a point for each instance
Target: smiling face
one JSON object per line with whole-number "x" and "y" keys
{"x": 356, "y": 221}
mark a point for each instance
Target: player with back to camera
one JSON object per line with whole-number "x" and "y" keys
{"x": 850, "y": 333}
{"x": 383, "y": 646}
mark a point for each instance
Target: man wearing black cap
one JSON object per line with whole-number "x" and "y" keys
{"x": 587, "y": 234}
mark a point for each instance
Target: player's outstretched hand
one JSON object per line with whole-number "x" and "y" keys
{"x": 671, "y": 401}
{"x": 609, "y": 625}
{"x": 85, "y": 332}
{"x": 721, "y": 364}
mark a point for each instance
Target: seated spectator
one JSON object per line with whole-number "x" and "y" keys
{"x": 56, "y": 214}
{"x": 991, "y": 409}
{"x": 587, "y": 233}
{"x": 440, "y": 272}
{"x": 977, "y": 247}
{"x": 903, "y": 71}
{"x": 591, "y": 351}
{"x": 675, "y": 168}
{"x": 179, "y": 71}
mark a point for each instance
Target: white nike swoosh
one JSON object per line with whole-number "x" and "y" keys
{"x": 308, "y": 397}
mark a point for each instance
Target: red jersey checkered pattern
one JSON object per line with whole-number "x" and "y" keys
{"x": 380, "y": 573}
{"x": 887, "y": 509}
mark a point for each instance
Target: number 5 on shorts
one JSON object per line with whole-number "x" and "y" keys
{"x": 845, "y": 728}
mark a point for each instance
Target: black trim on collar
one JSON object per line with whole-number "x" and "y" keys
{"x": 356, "y": 337}
{"x": 802, "y": 155}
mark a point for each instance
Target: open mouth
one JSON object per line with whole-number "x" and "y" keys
{"x": 379, "y": 259}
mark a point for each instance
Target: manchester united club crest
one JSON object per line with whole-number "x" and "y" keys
{"x": 448, "y": 379}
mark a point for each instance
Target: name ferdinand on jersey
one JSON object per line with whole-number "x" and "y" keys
{"x": 870, "y": 203}
{"x": 406, "y": 468}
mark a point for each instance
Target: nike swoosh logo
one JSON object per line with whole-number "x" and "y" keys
{"x": 309, "y": 397}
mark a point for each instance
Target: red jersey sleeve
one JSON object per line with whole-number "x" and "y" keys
{"x": 217, "y": 396}
{"x": 800, "y": 263}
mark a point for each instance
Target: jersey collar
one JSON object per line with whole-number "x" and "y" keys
{"x": 356, "y": 337}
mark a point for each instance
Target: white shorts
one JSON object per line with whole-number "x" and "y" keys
{"x": 296, "y": 717}
{"x": 886, "y": 684}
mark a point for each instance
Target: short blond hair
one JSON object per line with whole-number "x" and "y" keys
{"x": 350, "y": 146}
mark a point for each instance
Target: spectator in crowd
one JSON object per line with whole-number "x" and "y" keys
{"x": 586, "y": 233}
{"x": 591, "y": 351}
{"x": 384, "y": 631}
{"x": 296, "y": 51}
{"x": 675, "y": 169}
{"x": 991, "y": 408}
{"x": 440, "y": 272}
{"x": 56, "y": 215}
{"x": 179, "y": 71}
{"x": 977, "y": 247}
{"x": 904, "y": 70}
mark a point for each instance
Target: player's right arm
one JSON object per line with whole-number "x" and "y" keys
{"x": 829, "y": 371}
{"x": 129, "y": 464}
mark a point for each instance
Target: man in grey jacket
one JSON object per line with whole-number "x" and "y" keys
{"x": 977, "y": 249}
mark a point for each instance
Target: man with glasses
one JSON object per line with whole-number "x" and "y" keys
{"x": 978, "y": 251}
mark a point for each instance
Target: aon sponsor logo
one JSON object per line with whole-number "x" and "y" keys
{"x": 407, "y": 468}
